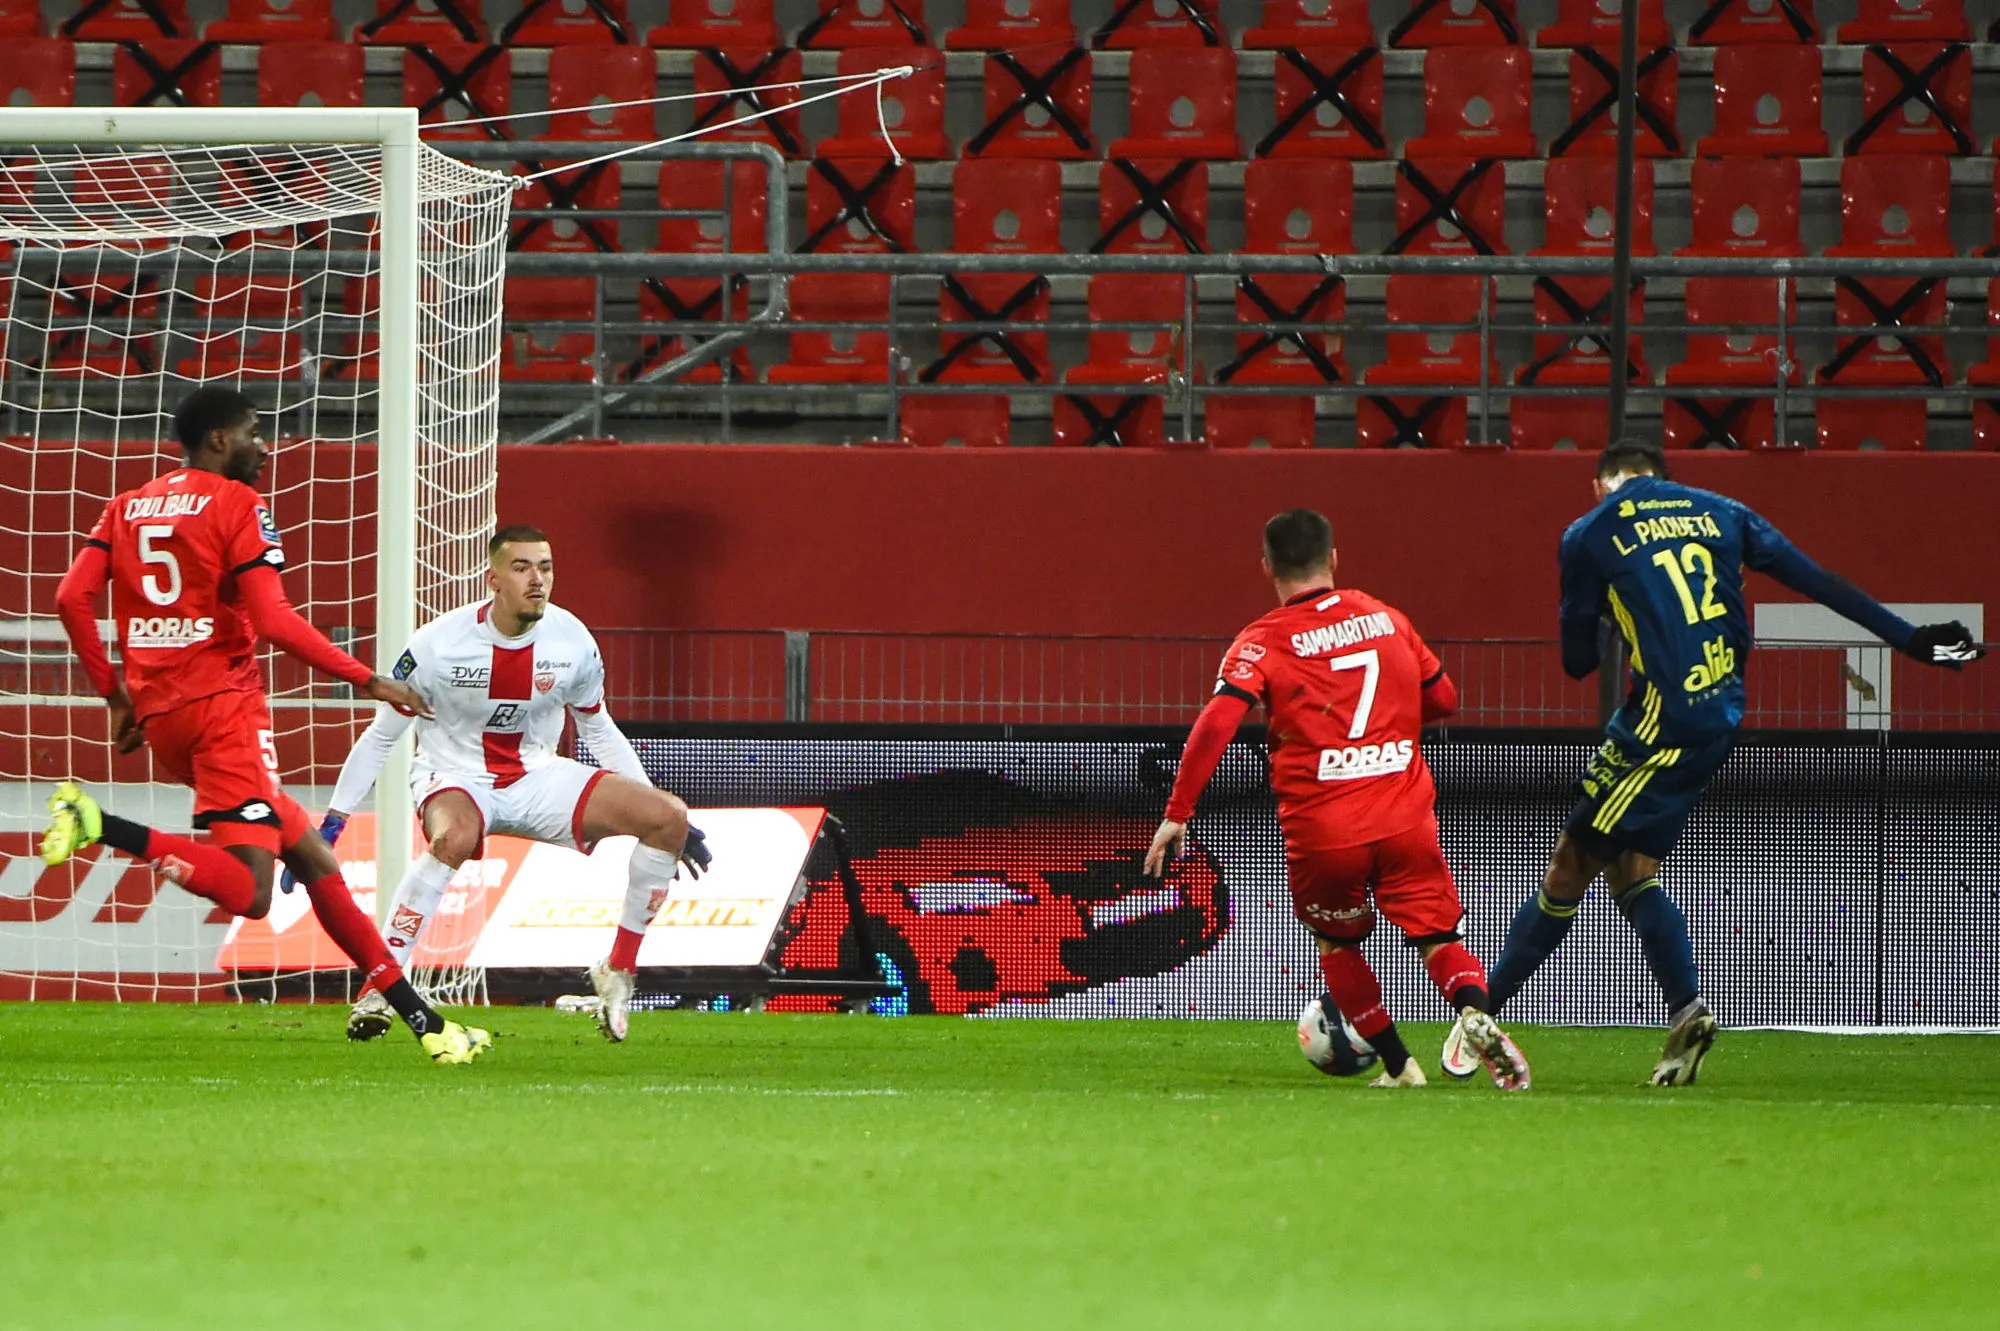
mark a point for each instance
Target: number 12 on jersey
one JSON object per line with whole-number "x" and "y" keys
{"x": 1370, "y": 664}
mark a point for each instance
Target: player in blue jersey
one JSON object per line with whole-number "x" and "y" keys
{"x": 1665, "y": 562}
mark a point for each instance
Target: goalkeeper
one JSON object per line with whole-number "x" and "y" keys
{"x": 1666, "y": 562}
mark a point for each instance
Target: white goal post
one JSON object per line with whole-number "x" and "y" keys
{"x": 406, "y": 361}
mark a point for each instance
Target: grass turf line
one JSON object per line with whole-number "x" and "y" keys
{"x": 165, "y": 1166}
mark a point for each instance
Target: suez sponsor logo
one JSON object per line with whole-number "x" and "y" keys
{"x": 168, "y": 631}
{"x": 167, "y": 506}
{"x": 1359, "y": 760}
{"x": 1333, "y": 637}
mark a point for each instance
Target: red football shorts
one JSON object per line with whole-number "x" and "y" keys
{"x": 1406, "y": 873}
{"x": 223, "y": 747}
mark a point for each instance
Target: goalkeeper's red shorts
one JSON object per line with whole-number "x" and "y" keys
{"x": 223, "y": 747}
{"x": 1405, "y": 874}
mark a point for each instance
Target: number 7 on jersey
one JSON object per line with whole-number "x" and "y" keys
{"x": 1370, "y": 664}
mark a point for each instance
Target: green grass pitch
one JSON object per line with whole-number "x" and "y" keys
{"x": 221, "y": 1167}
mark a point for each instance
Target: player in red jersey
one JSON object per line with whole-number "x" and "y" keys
{"x": 193, "y": 560}
{"x": 1346, "y": 684}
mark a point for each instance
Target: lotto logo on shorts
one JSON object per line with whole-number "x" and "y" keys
{"x": 1361, "y": 760}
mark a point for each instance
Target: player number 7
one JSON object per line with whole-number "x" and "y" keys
{"x": 1370, "y": 664}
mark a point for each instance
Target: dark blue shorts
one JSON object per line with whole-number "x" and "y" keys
{"x": 1637, "y": 796}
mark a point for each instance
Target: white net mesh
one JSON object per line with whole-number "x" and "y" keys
{"x": 128, "y": 276}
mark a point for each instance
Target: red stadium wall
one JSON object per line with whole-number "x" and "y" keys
{"x": 1047, "y": 541}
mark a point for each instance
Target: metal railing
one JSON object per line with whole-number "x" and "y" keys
{"x": 669, "y": 676}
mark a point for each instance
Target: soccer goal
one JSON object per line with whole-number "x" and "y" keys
{"x": 346, "y": 277}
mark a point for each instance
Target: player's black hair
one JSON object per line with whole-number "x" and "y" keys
{"x": 1630, "y": 454}
{"x": 506, "y": 536}
{"x": 206, "y": 410}
{"x": 1297, "y": 541}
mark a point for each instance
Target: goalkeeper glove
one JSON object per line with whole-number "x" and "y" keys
{"x": 1949, "y": 645}
{"x": 329, "y": 832}
{"x": 695, "y": 854}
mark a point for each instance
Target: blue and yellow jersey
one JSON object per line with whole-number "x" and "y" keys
{"x": 1666, "y": 563}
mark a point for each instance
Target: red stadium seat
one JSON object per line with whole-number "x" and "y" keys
{"x": 1003, "y": 25}
{"x": 1425, "y": 361}
{"x": 1767, "y": 103}
{"x": 1728, "y": 23}
{"x": 593, "y": 188}
{"x": 1593, "y": 105}
{"x": 1450, "y": 206}
{"x": 585, "y": 85}
{"x": 1477, "y": 102}
{"x": 1134, "y": 24}
{"x": 1183, "y": 105}
{"x": 1986, "y": 374}
{"x": 844, "y": 23}
{"x": 1915, "y": 98}
{"x": 1747, "y": 207}
{"x": 1297, "y": 24}
{"x": 112, "y": 305}
{"x": 311, "y": 74}
{"x": 21, "y": 18}
{"x": 548, "y": 354}
{"x": 41, "y": 73}
{"x": 955, "y": 420}
{"x": 912, "y": 107}
{"x": 568, "y": 23}
{"x": 1580, "y": 201}
{"x": 1725, "y": 359}
{"x": 723, "y": 78}
{"x": 1433, "y": 23}
{"x": 1905, "y": 21}
{"x": 1289, "y": 207}
{"x": 450, "y": 83}
{"x": 1579, "y": 423}
{"x": 1597, "y": 23}
{"x": 860, "y": 205}
{"x": 730, "y": 24}
{"x": 1037, "y": 105}
{"x": 1130, "y": 359}
{"x": 235, "y": 338}
{"x": 1152, "y": 206}
{"x": 741, "y": 200}
{"x": 999, "y": 207}
{"x": 1329, "y": 104}
{"x": 1744, "y": 208}
{"x": 127, "y": 21}
{"x": 1894, "y": 424}
{"x": 1891, "y": 207}
{"x": 275, "y": 21}
{"x": 431, "y": 22}
{"x": 167, "y": 73}
{"x": 846, "y": 354}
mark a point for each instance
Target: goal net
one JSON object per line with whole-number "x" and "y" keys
{"x": 129, "y": 273}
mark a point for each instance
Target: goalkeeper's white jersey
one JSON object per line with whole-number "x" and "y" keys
{"x": 499, "y": 700}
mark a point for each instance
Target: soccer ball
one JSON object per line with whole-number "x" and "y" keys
{"x": 1329, "y": 1043}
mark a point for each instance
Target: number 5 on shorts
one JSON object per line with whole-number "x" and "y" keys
{"x": 1370, "y": 664}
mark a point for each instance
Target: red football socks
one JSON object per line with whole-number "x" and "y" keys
{"x": 625, "y": 950}
{"x": 206, "y": 871}
{"x": 1454, "y": 970}
{"x": 354, "y": 932}
{"x": 1355, "y": 990}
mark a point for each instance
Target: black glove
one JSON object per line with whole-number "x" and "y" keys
{"x": 695, "y": 854}
{"x": 1949, "y": 645}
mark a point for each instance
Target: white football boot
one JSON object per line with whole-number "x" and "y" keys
{"x": 614, "y": 1000}
{"x": 372, "y": 1017}
{"x": 1409, "y": 1078}
{"x": 1504, "y": 1061}
{"x": 1458, "y": 1059}
{"x": 1687, "y": 1045}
